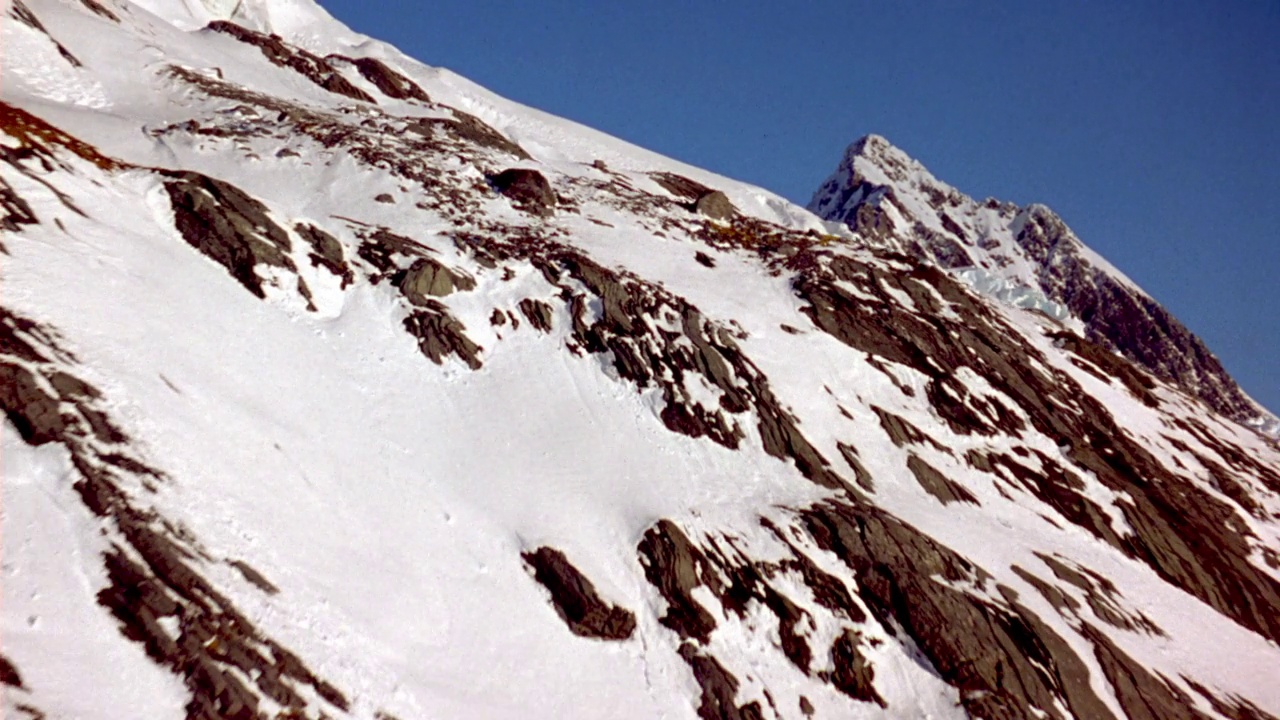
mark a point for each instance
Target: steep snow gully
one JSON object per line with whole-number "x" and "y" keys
{"x": 337, "y": 386}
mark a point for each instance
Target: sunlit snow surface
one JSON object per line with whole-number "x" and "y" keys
{"x": 389, "y": 498}
{"x": 1020, "y": 296}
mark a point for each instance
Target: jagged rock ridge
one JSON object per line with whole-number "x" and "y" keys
{"x": 883, "y": 194}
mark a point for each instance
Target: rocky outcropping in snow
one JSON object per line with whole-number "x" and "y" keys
{"x": 336, "y": 387}
{"x": 886, "y": 196}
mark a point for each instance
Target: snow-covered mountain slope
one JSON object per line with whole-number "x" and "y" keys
{"x": 885, "y": 195}
{"x": 338, "y": 387}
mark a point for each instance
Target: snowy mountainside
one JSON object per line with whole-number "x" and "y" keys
{"x": 337, "y": 386}
{"x": 884, "y": 194}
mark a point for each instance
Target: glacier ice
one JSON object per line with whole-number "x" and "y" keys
{"x": 984, "y": 282}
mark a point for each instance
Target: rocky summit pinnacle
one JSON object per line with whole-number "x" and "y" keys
{"x": 336, "y": 386}
{"x": 886, "y": 196}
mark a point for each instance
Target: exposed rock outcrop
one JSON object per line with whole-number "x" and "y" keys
{"x": 1030, "y": 246}
{"x": 309, "y": 65}
{"x": 156, "y": 586}
{"x": 697, "y": 197}
{"x": 575, "y": 598}
{"x": 715, "y": 205}
{"x": 527, "y": 189}
{"x": 389, "y": 82}
{"x": 228, "y": 226}
{"x": 427, "y": 278}
{"x": 326, "y": 251}
{"x": 440, "y": 334}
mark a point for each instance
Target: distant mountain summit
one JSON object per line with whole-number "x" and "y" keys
{"x": 883, "y": 194}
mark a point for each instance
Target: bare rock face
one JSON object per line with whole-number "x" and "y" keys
{"x": 326, "y": 251}
{"x": 527, "y": 190}
{"x": 1030, "y": 246}
{"x": 538, "y": 313}
{"x": 227, "y": 225}
{"x": 719, "y": 689}
{"x": 156, "y": 575}
{"x": 9, "y": 674}
{"x": 576, "y": 600}
{"x": 16, "y": 211}
{"x": 427, "y": 278}
{"x": 1123, "y": 319}
{"x": 391, "y": 83}
{"x": 440, "y": 334}
{"x": 715, "y": 205}
{"x": 470, "y": 129}
{"x": 696, "y": 197}
{"x": 316, "y": 69}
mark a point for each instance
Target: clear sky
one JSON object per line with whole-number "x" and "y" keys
{"x": 1152, "y": 127}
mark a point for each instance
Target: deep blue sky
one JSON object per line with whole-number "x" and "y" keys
{"x": 1152, "y": 128}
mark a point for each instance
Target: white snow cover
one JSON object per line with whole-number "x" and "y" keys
{"x": 389, "y": 498}
{"x": 1021, "y": 296}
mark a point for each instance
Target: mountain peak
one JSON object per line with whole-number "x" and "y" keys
{"x": 869, "y": 143}
{"x": 878, "y": 149}
{"x": 287, "y": 18}
{"x": 892, "y": 199}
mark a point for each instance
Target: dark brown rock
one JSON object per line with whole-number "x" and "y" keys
{"x": 1121, "y": 319}
{"x": 427, "y": 278}
{"x": 1188, "y": 536}
{"x": 254, "y": 577}
{"x": 100, "y": 10}
{"x": 1143, "y": 696}
{"x": 527, "y": 189}
{"x": 1004, "y": 661}
{"x": 37, "y": 416}
{"x": 901, "y": 432}
{"x": 681, "y": 186}
{"x": 153, "y": 569}
{"x": 852, "y": 675}
{"x": 391, "y": 83}
{"x": 719, "y": 689}
{"x": 1117, "y": 317}
{"x": 860, "y": 473}
{"x": 313, "y": 67}
{"x": 538, "y": 313}
{"x": 715, "y": 205}
{"x": 675, "y": 566}
{"x": 695, "y": 196}
{"x": 937, "y": 484}
{"x": 576, "y": 600}
{"x": 381, "y": 247}
{"x": 9, "y": 674}
{"x": 440, "y": 334}
{"x": 228, "y": 226}
{"x": 1102, "y": 596}
{"x": 14, "y": 211}
{"x": 20, "y": 12}
{"x": 467, "y": 128}
{"x": 326, "y": 251}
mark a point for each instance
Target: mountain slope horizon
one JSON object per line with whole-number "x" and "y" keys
{"x": 881, "y": 191}
{"x": 337, "y": 386}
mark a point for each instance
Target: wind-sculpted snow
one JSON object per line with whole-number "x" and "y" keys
{"x": 405, "y": 403}
{"x": 1021, "y": 296}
